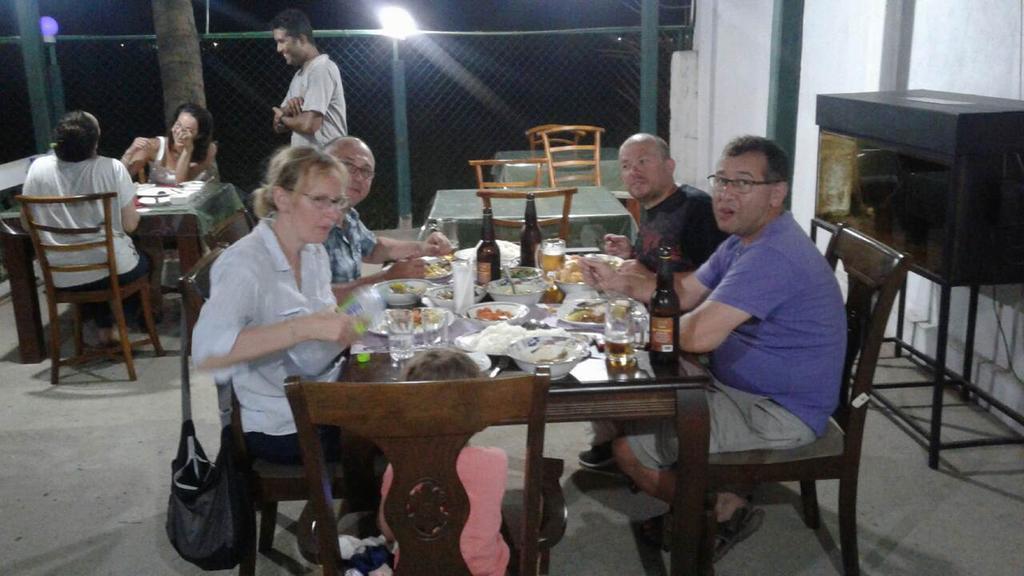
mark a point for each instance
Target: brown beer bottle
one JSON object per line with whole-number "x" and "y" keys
{"x": 529, "y": 236}
{"x": 488, "y": 257}
{"x": 664, "y": 336}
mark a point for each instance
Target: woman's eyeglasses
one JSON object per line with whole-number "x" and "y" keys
{"x": 338, "y": 204}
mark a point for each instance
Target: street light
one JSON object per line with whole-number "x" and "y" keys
{"x": 49, "y": 28}
{"x": 398, "y": 24}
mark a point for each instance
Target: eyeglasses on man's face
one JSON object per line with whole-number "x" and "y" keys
{"x": 737, "y": 185}
{"x": 338, "y": 204}
{"x": 356, "y": 170}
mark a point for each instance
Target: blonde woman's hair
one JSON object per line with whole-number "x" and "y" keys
{"x": 289, "y": 168}
{"x": 440, "y": 364}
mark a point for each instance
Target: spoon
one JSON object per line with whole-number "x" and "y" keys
{"x": 508, "y": 278}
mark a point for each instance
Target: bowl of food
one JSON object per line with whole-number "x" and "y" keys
{"x": 519, "y": 291}
{"x": 444, "y": 296}
{"x": 488, "y": 313}
{"x": 570, "y": 279}
{"x": 495, "y": 339}
{"x": 525, "y": 273}
{"x": 405, "y": 292}
{"x": 437, "y": 269}
{"x": 558, "y": 353}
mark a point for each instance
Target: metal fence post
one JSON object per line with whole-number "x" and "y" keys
{"x": 35, "y": 71}
{"x": 403, "y": 185}
{"x": 649, "y": 67}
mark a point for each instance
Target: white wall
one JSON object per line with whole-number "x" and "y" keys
{"x": 866, "y": 45}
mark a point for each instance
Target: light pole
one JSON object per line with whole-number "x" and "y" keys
{"x": 398, "y": 24}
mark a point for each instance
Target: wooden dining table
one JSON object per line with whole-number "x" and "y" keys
{"x": 178, "y": 226}
{"x": 593, "y": 391}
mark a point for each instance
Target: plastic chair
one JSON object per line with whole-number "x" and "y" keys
{"x": 421, "y": 427}
{"x": 875, "y": 274}
{"x": 79, "y": 241}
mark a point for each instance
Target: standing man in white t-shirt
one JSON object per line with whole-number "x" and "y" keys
{"x": 314, "y": 108}
{"x": 77, "y": 169}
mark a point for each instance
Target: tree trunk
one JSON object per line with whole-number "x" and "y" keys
{"x": 181, "y": 67}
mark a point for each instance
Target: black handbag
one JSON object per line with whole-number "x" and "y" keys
{"x": 208, "y": 512}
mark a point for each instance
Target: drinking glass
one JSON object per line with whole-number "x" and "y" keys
{"x": 450, "y": 228}
{"x": 552, "y": 254}
{"x": 620, "y": 330}
{"x": 401, "y": 333}
{"x": 435, "y": 327}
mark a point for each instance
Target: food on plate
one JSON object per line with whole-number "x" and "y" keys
{"x": 502, "y": 287}
{"x": 495, "y": 338}
{"x": 492, "y": 314}
{"x": 524, "y": 273}
{"x": 406, "y": 288}
{"x": 438, "y": 268}
{"x": 571, "y": 270}
{"x": 587, "y": 312}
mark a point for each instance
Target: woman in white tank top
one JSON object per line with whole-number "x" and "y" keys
{"x": 186, "y": 153}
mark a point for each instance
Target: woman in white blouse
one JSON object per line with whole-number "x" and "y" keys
{"x": 271, "y": 312}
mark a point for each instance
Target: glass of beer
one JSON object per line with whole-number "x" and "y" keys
{"x": 620, "y": 329}
{"x": 552, "y": 254}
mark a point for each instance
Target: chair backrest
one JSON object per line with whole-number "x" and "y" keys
{"x": 536, "y": 142}
{"x": 563, "y": 221}
{"x": 195, "y": 285}
{"x": 483, "y": 166}
{"x": 421, "y": 427}
{"x": 90, "y": 247}
{"x": 230, "y": 230}
{"x": 578, "y": 162}
{"x": 875, "y": 274}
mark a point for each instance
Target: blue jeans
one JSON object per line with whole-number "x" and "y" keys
{"x": 285, "y": 449}
{"x": 100, "y": 312}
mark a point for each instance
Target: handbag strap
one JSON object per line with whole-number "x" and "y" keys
{"x": 186, "y": 386}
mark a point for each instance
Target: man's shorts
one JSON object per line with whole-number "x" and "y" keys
{"x": 739, "y": 421}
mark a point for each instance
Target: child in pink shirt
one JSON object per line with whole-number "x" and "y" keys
{"x": 483, "y": 472}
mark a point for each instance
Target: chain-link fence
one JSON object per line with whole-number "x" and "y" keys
{"x": 469, "y": 95}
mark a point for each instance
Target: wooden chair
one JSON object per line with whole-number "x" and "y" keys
{"x": 269, "y": 483}
{"x": 230, "y": 230}
{"x": 563, "y": 221}
{"x": 421, "y": 428}
{"x": 78, "y": 242}
{"x": 578, "y": 162}
{"x": 482, "y": 166}
{"x": 536, "y": 142}
{"x": 875, "y": 274}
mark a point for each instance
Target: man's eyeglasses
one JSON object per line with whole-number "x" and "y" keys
{"x": 338, "y": 204}
{"x": 738, "y": 185}
{"x": 364, "y": 173}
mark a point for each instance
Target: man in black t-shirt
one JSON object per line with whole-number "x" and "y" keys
{"x": 679, "y": 217}
{"x": 676, "y": 216}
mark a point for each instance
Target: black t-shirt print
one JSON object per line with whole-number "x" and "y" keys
{"x": 685, "y": 223}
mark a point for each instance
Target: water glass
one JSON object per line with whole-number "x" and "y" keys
{"x": 435, "y": 327}
{"x": 620, "y": 332}
{"x": 450, "y": 228}
{"x": 552, "y": 254}
{"x": 401, "y": 333}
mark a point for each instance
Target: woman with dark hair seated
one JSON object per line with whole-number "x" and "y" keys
{"x": 76, "y": 169}
{"x": 186, "y": 153}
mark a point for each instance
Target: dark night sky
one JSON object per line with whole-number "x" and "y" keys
{"x": 135, "y": 16}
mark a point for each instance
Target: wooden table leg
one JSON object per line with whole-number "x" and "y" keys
{"x": 693, "y": 428}
{"x": 18, "y": 256}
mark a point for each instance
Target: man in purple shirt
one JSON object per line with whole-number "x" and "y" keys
{"x": 768, "y": 310}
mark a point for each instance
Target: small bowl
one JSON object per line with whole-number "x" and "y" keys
{"x": 527, "y": 292}
{"x": 517, "y": 312}
{"x": 560, "y": 354}
{"x": 442, "y": 296}
{"x": 404, "y": 292}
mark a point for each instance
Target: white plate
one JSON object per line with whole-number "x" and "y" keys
{"x": 519, "y": 312}
{"x": 150, "y": 201}
{"x": 380, "y": 325}
{"x": 444, "y": 269}
{"x": 152, "y": 192}
{"x": 483, "y": 361}
{"x": 569, "y": 306}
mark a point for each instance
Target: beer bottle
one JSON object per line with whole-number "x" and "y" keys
{"x": 529, "y": 236}
{"x": 488, "y": 257}
{"x": 664, "y": 335}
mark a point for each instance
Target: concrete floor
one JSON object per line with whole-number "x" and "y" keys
{"x": 84, "y": 473}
